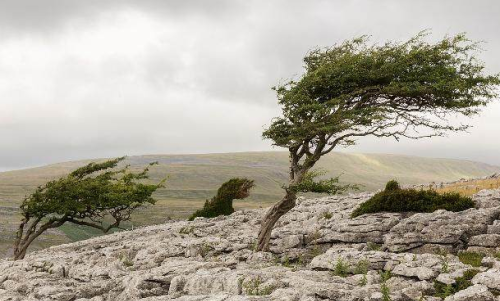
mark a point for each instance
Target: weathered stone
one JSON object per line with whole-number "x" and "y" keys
{"x": 213, "y": 259}
{"x": 490, "y": 278}
{"x": 485, "y": 240}
{"x": 476, "y": 292}
{"x": 487, "y": 198}
{"x": 440, "y": 227}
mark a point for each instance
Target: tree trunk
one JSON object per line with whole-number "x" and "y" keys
{"x": 271, "y": 217}
{"x": 20, "y": 253}
{"x": 21, "y": 245}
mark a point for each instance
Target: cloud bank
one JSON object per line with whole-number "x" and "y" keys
{"x": 85, "y": 79}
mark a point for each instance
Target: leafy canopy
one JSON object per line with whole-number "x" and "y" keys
{"x": 91, "y": 192}
{"x": 311, "y": 182}
{"x": 355, "y": 89}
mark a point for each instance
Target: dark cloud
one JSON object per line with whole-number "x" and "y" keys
{"x": 32, "y": 15}
{"x": 93, "y": 78}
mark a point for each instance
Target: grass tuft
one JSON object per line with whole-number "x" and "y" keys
{"x": 472, "y": 258}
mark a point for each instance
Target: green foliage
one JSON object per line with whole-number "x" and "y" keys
{"x": 385, "y": 275}
{"x": 355, "y": 89}
{"x": 127, "y": 262}
{"x": 327, "y": 215}
{"x": 412, "y": 200}
{"x": 362, "y": 267}
{"x": 363, "y": 280}
{"x": 84, "y": 197}
{"x": 445, "y": 266}
{"x": 253, "y": 287}
{"x": 373, "y": 246}
{"x": 310, "y": 183}
{"x": 341, "y": 268}
{"x": 444, "y": 290}
{"x": 392, "y": 185}
{"x": 222, "y": 202}
{"x": 384, "y": 289}
{"x": 186, "y": 230}
{"x": 91, "y": 191}
{"x": 205, "y": 248}
{"x": 472, "y": 258}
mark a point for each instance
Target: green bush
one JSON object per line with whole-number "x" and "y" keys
{"x": 341, "y": 268}
{"x": 444, "y": 290}
{"x": 392, "y": 185}
{"x": 222, "y": 202}
{"x": 395, "y": 199}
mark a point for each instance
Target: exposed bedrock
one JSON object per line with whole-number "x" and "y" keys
{"x": 317, "y": 253}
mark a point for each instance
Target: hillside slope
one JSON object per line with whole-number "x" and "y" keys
{"x": 194, "y": 178}
{"x": 313, "y": 257}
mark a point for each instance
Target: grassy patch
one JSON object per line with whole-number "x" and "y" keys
{"x": 341, "y": 268}
{"x": 468, "y": 188}
{"x": 394, "y": 199}
{"x": 327, "y": 215}
{"x": 472, "y": 258}
{"x": 253, "y": 287}
{"x": 384, "y": 289}
{"x": 461, "y": 283}
{"x": 373, "y": 246}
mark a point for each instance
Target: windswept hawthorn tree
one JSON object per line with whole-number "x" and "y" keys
{"x": 406, "y": 89}
{"x": 84, "y": 197}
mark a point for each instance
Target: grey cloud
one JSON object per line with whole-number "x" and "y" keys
{"x": 206, "y": 71}
{"x": 28, "y": 16}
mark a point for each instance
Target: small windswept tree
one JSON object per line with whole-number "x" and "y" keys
{"x": 222, "y": 202}
{"x": 351, "y": 90}
{"x": 84, "y": 197}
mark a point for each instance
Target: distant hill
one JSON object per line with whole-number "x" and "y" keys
{"x": 194, "y": 178}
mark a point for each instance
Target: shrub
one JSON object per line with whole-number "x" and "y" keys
{"x": 341, "y": 268}
{"x": 461, "y": 283}
{"x": 392, "y": 185}
{"x": 384, "y": 289}
{"x": 253, "y": 287}
{"x": 395, "y": 199}
{"x": 373, "y": 246}
{"x": 327, "y": 215}
{"x": 222, "y": 202}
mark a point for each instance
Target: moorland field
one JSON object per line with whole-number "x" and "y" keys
{"x": 194, "y": 178}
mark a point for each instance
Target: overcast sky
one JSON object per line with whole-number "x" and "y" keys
{"x": 86, "y": 79}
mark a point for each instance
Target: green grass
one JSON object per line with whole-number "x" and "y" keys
{"x": 194, "y": 178}
{"x": 472, "y": 258}
{"x": 443, "y": 290}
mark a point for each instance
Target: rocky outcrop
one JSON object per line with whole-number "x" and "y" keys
{"x": 317, "y": 253}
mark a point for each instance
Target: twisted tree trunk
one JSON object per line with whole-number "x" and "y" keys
{"x": 296, "y": 175}
{"x": 272, "y": 216}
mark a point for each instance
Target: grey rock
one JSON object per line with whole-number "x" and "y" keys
{"x": 490, "y": 278}
{"x": 440, "y": 227}
{"x": 485, "y": 240}
{"x": 476, "y": 292}
{"x": 213, "y": 259}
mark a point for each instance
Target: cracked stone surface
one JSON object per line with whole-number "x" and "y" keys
{"x": 317, "y": 253}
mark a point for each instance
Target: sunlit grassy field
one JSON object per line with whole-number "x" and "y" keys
{"x": 468, "y": 188}
{"x": 194, "y": 178}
